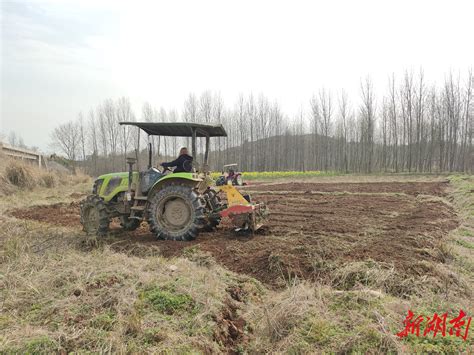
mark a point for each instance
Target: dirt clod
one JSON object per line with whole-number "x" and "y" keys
{"x": 230, "y": 328}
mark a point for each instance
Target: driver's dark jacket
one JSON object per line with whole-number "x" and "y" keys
{"x": 182, "y": 164}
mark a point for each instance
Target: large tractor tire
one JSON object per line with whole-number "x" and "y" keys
{"x": 238, "y": 180}
{"x": 94, "y": 217}
{"x": 129, "y": 224}
{"x": 176, "y": 212}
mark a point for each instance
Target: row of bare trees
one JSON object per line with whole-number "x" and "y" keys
{"x": 413, "y": 127}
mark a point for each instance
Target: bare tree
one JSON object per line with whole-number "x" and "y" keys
{"x": 393, "y": 117}
{"x": 82, "y": 135}
{"x": 66, "y": 138}
{"x": 12, "y": 139}
{"x": 367, "y": 111}
{"x": 125, "y": 114}
{"x": 325, "y": 104}
{"x": 315, "y": 124}
{"x": 419, "y": 126}
{"x": 93, "y": 140}
{"x": 344, "y": 117}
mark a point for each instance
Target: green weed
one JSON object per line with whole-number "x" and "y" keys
{"x": 167, "y": 301}
{"x": 40, "y": 345}
{"x": 465, "y": 243}
{"x": 105, "y": 321}
{"x": 319, "y": 332}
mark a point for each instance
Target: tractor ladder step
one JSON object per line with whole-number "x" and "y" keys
{"x": 138, "y": 208}
{"x": 141, "y": 198}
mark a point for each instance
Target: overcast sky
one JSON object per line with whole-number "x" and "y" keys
{"x": 61, "y": 57}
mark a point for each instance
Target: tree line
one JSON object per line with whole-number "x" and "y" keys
{"x": 413, "y": 126}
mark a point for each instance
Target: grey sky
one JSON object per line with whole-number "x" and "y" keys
{"x": 61, "y": 57}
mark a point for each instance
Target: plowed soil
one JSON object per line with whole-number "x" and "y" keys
{"x": 61, "y": 214}
{"x": 309, "y": 227}
{"x": 409, "y": 188}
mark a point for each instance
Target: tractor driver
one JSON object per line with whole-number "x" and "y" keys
{"x": 230, "y": 175}
{"x": 183, "y": 163}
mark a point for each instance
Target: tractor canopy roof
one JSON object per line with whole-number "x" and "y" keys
{"x": 179, "y": 129}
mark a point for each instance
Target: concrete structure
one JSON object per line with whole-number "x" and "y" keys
{"x": 23, "y": 154}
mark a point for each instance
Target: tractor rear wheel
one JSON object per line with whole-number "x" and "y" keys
{"x": 238, "y": 180}
{"x": 176, "y": 212}
{"x": 129, "y": 224}
{"x": 94, "y": 216}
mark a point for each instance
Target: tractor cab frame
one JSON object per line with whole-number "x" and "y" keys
{"x": 181, "y": 129}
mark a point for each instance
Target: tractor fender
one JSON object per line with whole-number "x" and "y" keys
{"x": 187, "y": 179}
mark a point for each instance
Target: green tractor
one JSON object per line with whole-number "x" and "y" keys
{"x": 176, "y": 206}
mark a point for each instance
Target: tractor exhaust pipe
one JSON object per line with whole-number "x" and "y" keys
{"x": 150, "y": 153}
{"x": 130, "y": 162}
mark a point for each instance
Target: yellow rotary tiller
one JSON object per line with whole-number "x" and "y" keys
{"x": 244, "y": 214}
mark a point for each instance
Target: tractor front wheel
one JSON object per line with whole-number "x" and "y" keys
{"x": 176, "y": 212}
{"x": 94, "y": 217}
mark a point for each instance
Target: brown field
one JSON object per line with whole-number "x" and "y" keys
{"x": 313, "y": 231}
{"x": 336, "y": 268}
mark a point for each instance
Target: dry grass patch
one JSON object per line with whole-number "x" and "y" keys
{"x": 6, "y": 188}
{"x": 20, "y": 175}
{"x": 48, "y": 180}
{"x": 309, "y": 318}
{"x": 101, "y": 300}
{"x": 17, "y": 176}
